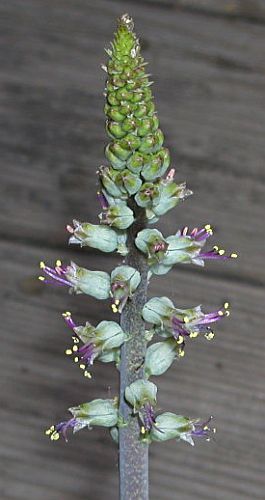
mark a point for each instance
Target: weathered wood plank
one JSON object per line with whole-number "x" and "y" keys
{"x": 52, "y": 140}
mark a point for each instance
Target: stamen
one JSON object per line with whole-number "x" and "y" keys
{"x": 142, "y": 430}
{"x": 58, "y": 263}
{"x": 75, "y": 348}
{"x": 220, "y": 313}
{"x": 181, "y": 353}
{"x": 209, "y": 335}
{"x": 41, "y": 278}
{"x": 226, "y": 305}
{"x": 221, "y": 252}
{"x": 233, "y": 255}
{"x": 87, "y": 374}
{"x": 42, "y": 265}
{"x": 82, "y": 367}
{"x": 68, "y": 352}
{"x": 114, "y": 308}
{"x": 76, "y": 359}
{"x": 180, "y": 339}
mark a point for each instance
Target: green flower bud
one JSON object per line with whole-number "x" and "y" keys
{"x": 160, "y": 356}
{"x": 119, "y": 216}
{"x": 148, "y": 192}
{"x": 140, "y": 393}
{"x": 94, "y": 236}
{"x": 135, "y": 162}
{"x": 102, "y": 412}
{"x": 157, "y": 310}
{"x": 170, "y": 426}
{"x": 128, "y": 182}
{"x": 124, "y": 281}
{"x": 158, "y": 165}
{"x": 108, "y": 178}
{"x": 152, "y": 243}
{"x": 107, "y": 334}
{"x": 94, "y": 283}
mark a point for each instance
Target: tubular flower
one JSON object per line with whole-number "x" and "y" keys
{"x": 169, "y": 321}
{"x": 102, "y": 412}
{"x": 94, "y": 236}
{"x": 99, "y": 342}
{"x": 171, "y": 426}
{"x": 124, "y": 281}
{"x": 183, "y": 247}
{"x": 78, "y": 279}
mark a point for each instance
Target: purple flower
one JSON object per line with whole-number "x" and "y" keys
{"x": 147, "y": 417}
{"x": 203, "y": 429}
{"x": 200, "y": 236}
{"x": 56, "y": 275}
{"x": 55, "y": 431}
{"x": 192, "y": 326}
{"x": 86, "y": 354}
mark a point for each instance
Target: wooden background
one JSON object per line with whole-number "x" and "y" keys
{"x": 207, "y": 60}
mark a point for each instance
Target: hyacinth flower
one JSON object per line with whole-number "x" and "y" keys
{"x": 103, "y": 412}
{"x": 77, "y": 279}
{"x": 169, "y": 321}
{"x": 183, "y": 247}
{"x": 137, "y": 186}
{"x": 101, "y": 342}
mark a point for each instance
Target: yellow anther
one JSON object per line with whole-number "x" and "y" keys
{"x": 220, "y": 313}
{"x": 193, "y": 335}
{"x": 48, "y": 432}
{"x": 209, "y": 336}
{"x": 58, "y": 263}
{"x": 114, "y": 308}
{"x": 87, "y": 374}
{"x": 227, "y": 313}
{"x": 83, "y": 367}
{"x": 186, "y": 319}
{"x": 216, "y": 248}
{"x": 207, "y": 227}
{"x": 75, "y": 348}
{"x": 66, "y": 314}
{"x": 180, "y": 339}
{"x": 41, "y": 278}
{"x": 55, "y": 436}
{"x": 142, "y": 430}
{"x": 76, "y": 359}
{"x": 76, "y": 340}
{"x": 181, "y": 353}
{"x": 233, "y": 255}
{"x": 214, "y": 430}
{"x": 226, "y": 305}
{"x": 221, "y": 252}
{"x": 68, "y": 352}
{"x": 117, "y": 302}
{"x": 42, "y": 265}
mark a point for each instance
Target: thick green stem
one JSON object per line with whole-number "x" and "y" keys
{"x": 133, "y": 455}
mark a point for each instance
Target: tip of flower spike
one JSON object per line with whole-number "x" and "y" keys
{"x": 126, "y": 21}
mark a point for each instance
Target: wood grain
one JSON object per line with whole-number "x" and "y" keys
{"x": 209, "y": 77}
